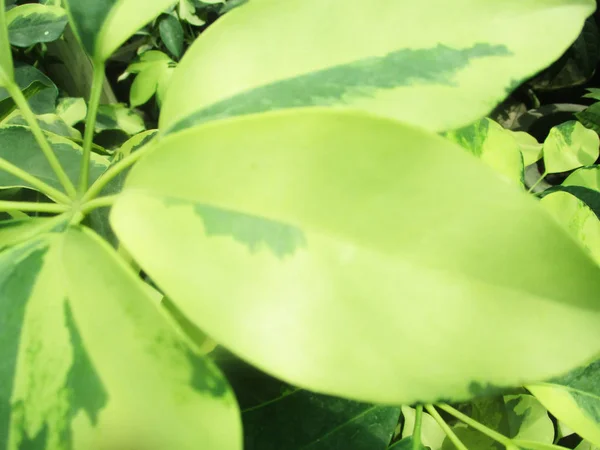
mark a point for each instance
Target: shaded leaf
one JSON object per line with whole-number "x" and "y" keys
{"x": 590, "y": 117}
{"x": 47, "y": 122}
{"x": 118, "y": 117}
{"x": 278, "y": 261}
{"x": 432, "y": 435}
{"x": 278, "y": 416}
{"x": 392, "y": 69}
{"x": 18, "y": 146}
{"x": 42, "y": 102}
{"x": 171, "y": 33}
{"x": 7, "y": 104}
{"x": 405, "y": 444}
{"x": 568, "y": 146}
{"x": 34, "y": 23}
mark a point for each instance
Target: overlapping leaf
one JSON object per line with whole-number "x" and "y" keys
{"x": 377, "y": 58}
{"x": 89, "y": 362}
{"x": 312, "y": 243}
{"x": 575, "y": 400}
{"x": 103, "y": 25}
{"x": 568, "y": 146}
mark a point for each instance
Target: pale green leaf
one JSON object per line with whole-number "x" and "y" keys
{"x": 85, "y": 351}
{"x": 585, "y": 445}
{"x": 14, "y": 232}
{"x": 72, "y": 110}
{"x": 308, "y": 243}
{"x": 432, "y": 434}
{"x": 119, "y": 117}
{"x": 575, "y": 400}
{"x": 103, "y": 25}
{"x": 405, "y": 444}
{"x": 18, "y": 146}
{"x": 6, "y": 63}
{"x": 51, "y": 123}
{"x": 577, "y": 218}
{"x": 568, "y": 146}
{"x": 588, "y": 177}
{"x": 493, "y": 145}
{"x": 402, "y": 59}
{"x": 33, "y": 23}
{"x": 530, "y": 148}
{"x": 145, "y": 84}
{"x": 187, "y": 12}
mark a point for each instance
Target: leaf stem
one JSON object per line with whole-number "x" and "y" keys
{"x": 90, "y": 123}
{"x": 115, "y": 170}
{"x": 33, "y": 207}
{"x": 21, "y": 102}
{"x": 444, "y": 426}
{"x": 507, "y": 442}
{"x": 100, "y": 202}
{"x": 417, "y": 427}
{"x": 38, "y": 184}
{"x": 539, "y": 180}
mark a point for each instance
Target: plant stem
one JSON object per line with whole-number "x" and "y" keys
{"x": 115, "y": 170}
{"x": 33, "y": 207}
{"x": 21, "y": 102}
{"x": 507, "y": 442}
{"x": 444, "y": 426}
{"x": 100, "y": 202}
{"x": 90, "y": 123}
{"x": 540, "y": 179}
{"x": 417, "y": 428}
{"x": 38, "y": 184}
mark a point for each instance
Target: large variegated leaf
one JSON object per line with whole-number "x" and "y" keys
{"x": 575, "y": 400}
{"x": 436, "y": 63}
{"x": 317, "y": 244}
{"x": 88, "y": 362}
{"x": 103, "y": 25}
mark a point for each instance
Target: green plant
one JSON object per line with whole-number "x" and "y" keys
{"x": 299, "y": 207}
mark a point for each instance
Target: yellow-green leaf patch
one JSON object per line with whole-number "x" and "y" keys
{"x": 568, "y": 146}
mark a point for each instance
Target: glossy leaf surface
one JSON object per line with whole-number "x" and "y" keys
{"x": 575, "y": 400}
{"x": 287, "y": 257}
{"x": 103, "y": 25}
{"x": 34, "y": 23}
{"x": 568, "y": 146}
{"x": 255, "y": 58}
{"x": 84, "y": 348}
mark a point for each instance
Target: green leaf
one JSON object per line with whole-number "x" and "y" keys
{"x": 378, "y": 59}
{"x": 432, "y": 435}
{"x": 518, "y": 417}
{"x": 271, "y": 410}
{"x": 530, "y": 148}
{"x": 51, "y": 123}
{"x": 584, "y": 445}
{"x": 6, "y": 63}
{"x": 33, "y": 23}
{"x": 18, "y": 146}
{"x": 593, "y": 93}
{"x": 119, "y": 117}
{"x": 568, "y": 146}
{"x": 590, "y": 117}
{"x": 14, "y": 232}
{"x": 187, "y": 12}
{"x": 493, "y": 145}
{"x": 103, "y": 25}
{"x": 405, "y": 444}
{"x": 42, "y": 102}
{"x": 588, "y": 196}
{"x": 588, "y": 177}
{"x": 68, "y": 381}
{"x": 322, "y": 226}
{"x": 575, "y": 400}
{"x": 577, "y": 218}
{"x": 72, "y": 110}
{"x": 7, "y": 105}
{"x": 171, "y": 33}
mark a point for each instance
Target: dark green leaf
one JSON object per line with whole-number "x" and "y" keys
{"x": 590, "y": 117}
{"x": 42, "y": 102}
{"x": 171, "y": 34}
{"x": 7, "y": 105}
{"x": 33, "y": 23}
{"x": 278, "y": 416}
